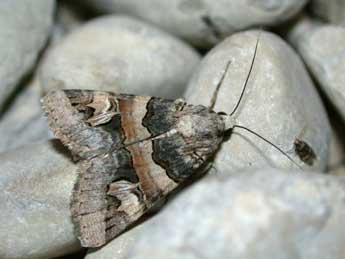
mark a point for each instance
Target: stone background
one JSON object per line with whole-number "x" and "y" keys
{"x": 253, "y": 202}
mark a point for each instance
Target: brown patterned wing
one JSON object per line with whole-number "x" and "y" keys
{"x": 132, "y": 150}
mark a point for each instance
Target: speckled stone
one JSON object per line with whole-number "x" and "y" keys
{"x": 280, "y": 102}
{"x": 323, "y": 50}
{"x": 24, "y": 28}
{"x": 36, "y": 183}
{"x": 120, "y": 54}
{"x": 266, "y": 214}
{"x": 204, "y": 22}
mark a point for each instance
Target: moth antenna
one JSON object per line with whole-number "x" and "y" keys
{"x": 248, "y": 76}
{"x": 230, "y": 122}
{"x": 215, "y": 93}
{"x": 269, "y": 142}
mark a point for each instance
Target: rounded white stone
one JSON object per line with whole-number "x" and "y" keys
{"x": 336, "y": 162}
{"x": 204, "y": 22}
{"x": 322, "y": 47}
{"x": 280, "y": 102}
{"x": 24, "y": 121}
{"x": 36, "y": 183}
{"x": 24, "y": 28}
{"x": 264, "y": 214}
{"x": 330, "y": 11}
{"x": 120, "y": 54}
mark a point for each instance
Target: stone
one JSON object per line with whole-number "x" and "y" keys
{"x": 280, "y": 102}
{"x": 119, "y": 54}
{"x": 68, "y": 19}
{"x": 204, "y": 23}
{"x": 36, "y": 182}
{"x": 330, "y": 11}
{"x": 77, "y": 255}
{"x": 24, "y": 29}
{"x": 322, "y": 47}
{"x": 21, "y": 125}
{"x": 336, "y": 161}
{"x": 265, "y": 214}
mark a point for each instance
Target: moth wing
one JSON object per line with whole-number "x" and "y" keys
{"x": 102, "y": 207}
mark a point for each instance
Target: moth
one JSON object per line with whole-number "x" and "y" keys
{"x": 131, "y": 152}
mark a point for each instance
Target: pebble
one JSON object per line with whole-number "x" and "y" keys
{"x": 204, "y": 23}
{"x": 36, "y": 183}
{"x": 322, "y": 48}
{"x": 336, "y": 162}
{"x": 69, "y": 17}
{"x": 258, "y": 214}
{"x": 24, "y": 29}
{"x": 280, "y": 102}
{"x": 330, "y": 11}
{"x": 21, "y": 125}
{"x": 67, "y": 20}
{"x": 130, "y": 57}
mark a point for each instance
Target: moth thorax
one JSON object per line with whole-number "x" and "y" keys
{"x": 202, "y": 131}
